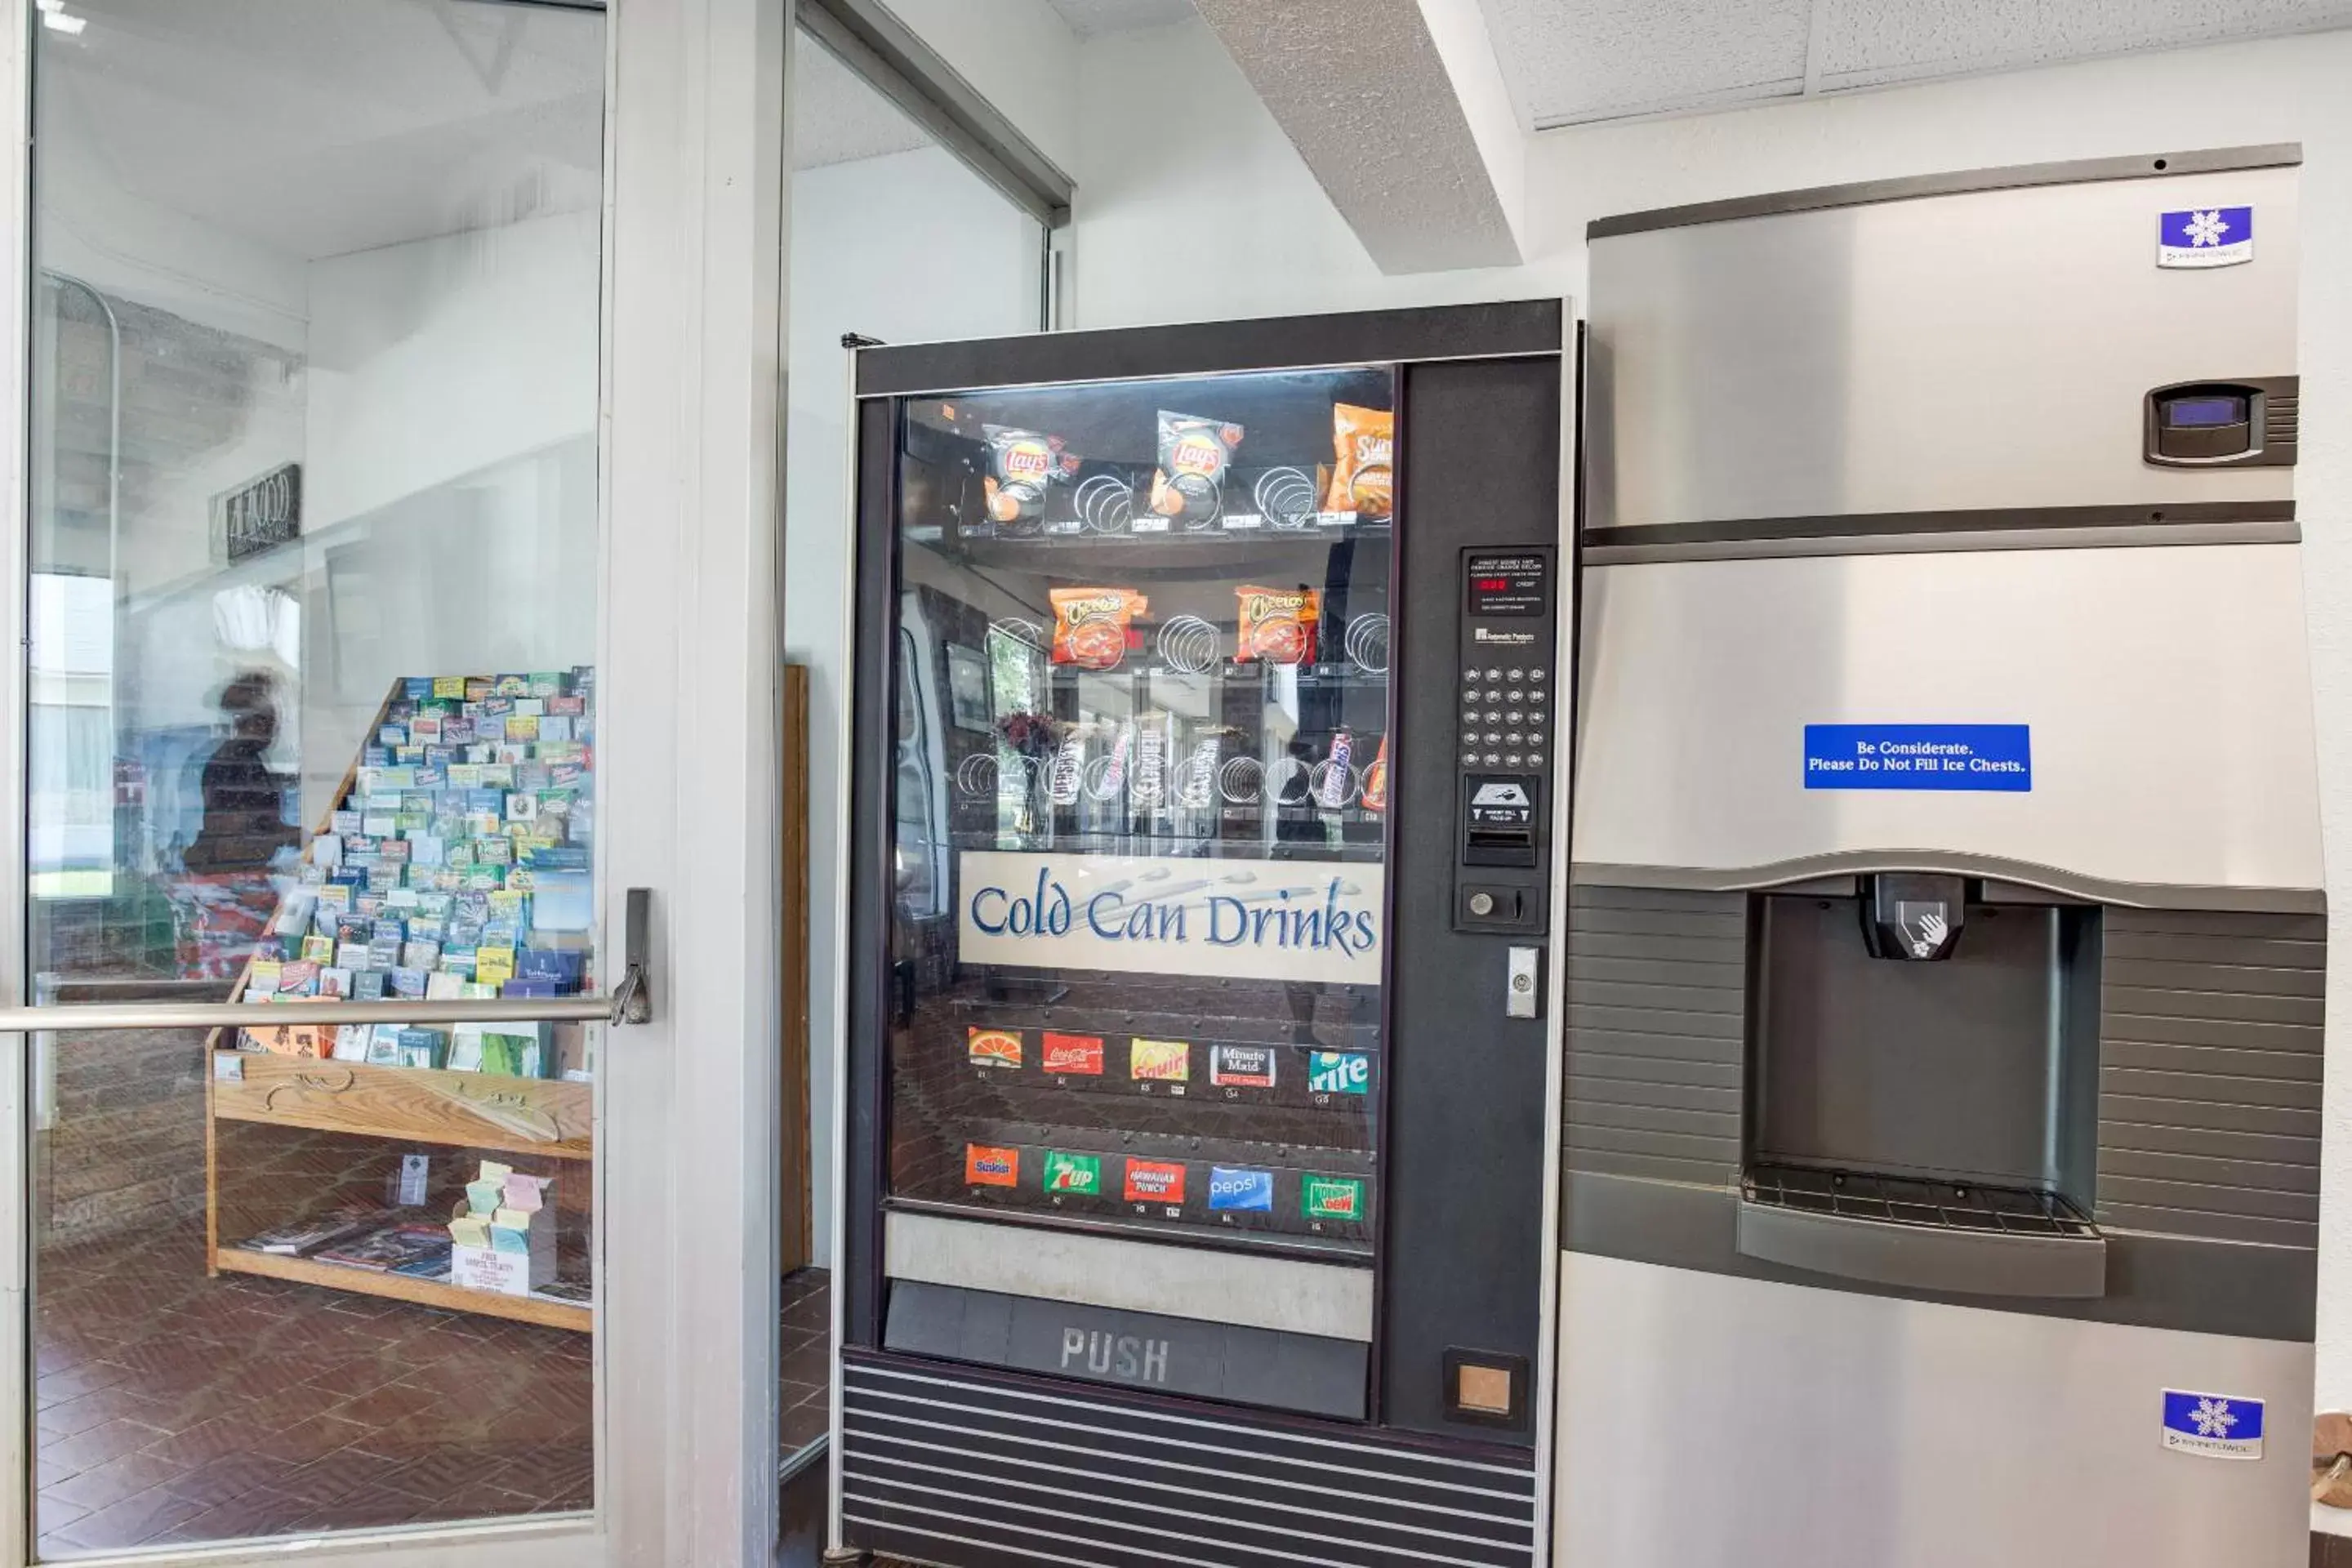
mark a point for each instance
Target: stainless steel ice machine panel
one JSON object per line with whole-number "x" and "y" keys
{"x": 1819, "y": 361}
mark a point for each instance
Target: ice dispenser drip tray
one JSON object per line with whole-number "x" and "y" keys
{"x": 1921, "y": 1235}
{"x": 1923, "y": 1065}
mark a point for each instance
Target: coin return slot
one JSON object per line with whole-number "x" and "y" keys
{"x": 1485, "y": 1389}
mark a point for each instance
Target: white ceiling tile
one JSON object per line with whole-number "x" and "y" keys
{"x": 1088, "y": 18}
{"x": 1574, "y": 60}
{"x": 1867, "y": 42}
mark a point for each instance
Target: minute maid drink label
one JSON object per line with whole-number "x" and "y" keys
{"x": 1072, "y": 1173}
{"x": 1339, "y": 1072}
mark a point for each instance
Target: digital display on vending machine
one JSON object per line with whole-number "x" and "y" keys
{"x": 1508, "y": 584}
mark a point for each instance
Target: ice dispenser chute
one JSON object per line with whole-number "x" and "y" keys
{"x": 1923, "y": 1058}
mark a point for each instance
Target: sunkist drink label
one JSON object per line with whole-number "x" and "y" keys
{"x": 1154, "y": 1181}
{"x": 1339, "y": 1072}
{"x": 1160, "y": 1061}
{"x": 985, "y": 1166}
{"x": 1234, "y": 1190}
{"x": 1331, "y": 1198}
{"x": 992, "y": 1047}
{"x": 1080, "y": 1174}
{"x": 1242, "y": 1067}
{"x": 1071, "y": 1054}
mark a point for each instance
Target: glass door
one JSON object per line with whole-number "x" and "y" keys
{"x": 855, "y": 155}
{"x": 1142, "y": 716}
{"x": 311, "y": 739}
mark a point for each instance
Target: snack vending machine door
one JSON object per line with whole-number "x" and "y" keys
{"x": 1139, "y": 844}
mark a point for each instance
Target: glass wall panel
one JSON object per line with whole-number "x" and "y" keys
{"x": 314, "y": 611}
{"x": 892, "y": 238}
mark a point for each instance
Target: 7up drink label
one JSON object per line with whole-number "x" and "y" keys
{"x": 1067, "y": 1174}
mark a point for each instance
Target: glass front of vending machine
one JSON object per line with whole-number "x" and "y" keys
{"x": 1203, "y": 737}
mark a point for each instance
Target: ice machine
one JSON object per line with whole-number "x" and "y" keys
{"x": 1205, "y": 731}
{"x": 1946, "y": 940}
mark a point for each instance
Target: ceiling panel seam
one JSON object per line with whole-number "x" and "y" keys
{"x": 1815, "y": 26}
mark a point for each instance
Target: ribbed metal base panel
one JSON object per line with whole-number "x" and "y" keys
{"x": 941, "y": 1467}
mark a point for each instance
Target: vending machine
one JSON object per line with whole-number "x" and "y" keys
{"x": 1207, "y": 732}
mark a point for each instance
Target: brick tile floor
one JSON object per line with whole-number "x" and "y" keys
{"x": 806, "y": 1374}
{"x": 175, "y": 1408}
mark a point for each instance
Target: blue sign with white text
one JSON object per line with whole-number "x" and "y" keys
{"x": 1919, "y": 756}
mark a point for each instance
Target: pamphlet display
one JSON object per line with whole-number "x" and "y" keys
{"x": 453, "y": 865}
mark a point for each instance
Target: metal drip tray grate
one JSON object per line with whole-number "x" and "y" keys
{"x": 1943, "y": 1205}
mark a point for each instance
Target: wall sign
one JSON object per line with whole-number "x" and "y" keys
{"x": 2205, "y": 236}
{"x": 2213, "y": 1426}
{"x": 1258, "y": 920}
{"x": 258, "y": 514}
{"x": 1919, "y": 756}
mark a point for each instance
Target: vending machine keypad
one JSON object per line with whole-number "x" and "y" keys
{"x": 1504, "y": 743}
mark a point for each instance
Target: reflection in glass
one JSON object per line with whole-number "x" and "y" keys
{"x": 1142, "y": 717}
{"x": 313, "y": 606}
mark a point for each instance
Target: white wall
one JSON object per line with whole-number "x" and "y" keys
{"x": 906, "y": 249}
{"x": 1281, "y": 248}
{"x": 1017, "y": 54}
{"x": 1201, "y": 210}
{"x": 449, "y": 513}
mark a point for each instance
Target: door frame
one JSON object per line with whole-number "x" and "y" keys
{"x": 689, "y": 451}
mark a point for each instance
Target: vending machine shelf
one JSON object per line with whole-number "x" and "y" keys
{"x": 1186, "y": 550}
{"x": 1255, "y": 1243}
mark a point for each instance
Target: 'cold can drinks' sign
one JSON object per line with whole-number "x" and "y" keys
{"x": 1261, "y": 920}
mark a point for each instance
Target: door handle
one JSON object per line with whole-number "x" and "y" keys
{"x": 633, "y": 998}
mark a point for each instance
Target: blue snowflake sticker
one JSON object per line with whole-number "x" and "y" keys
{"x": 2213, "y": 1426}
{"x": 2205, "y": 236}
